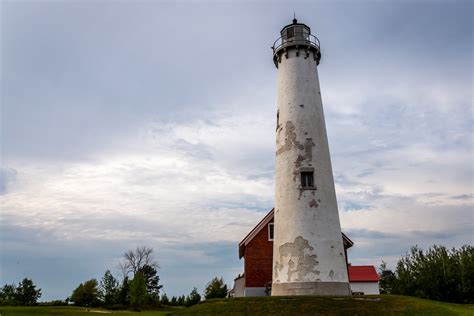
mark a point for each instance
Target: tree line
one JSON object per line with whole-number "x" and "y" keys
{"x": 140, "y": 284}
{"x": 216, "y": 288}
{"x": 436, "y": 274}
{"x": 139, "y": 287}
{"x": 25, "y": 294}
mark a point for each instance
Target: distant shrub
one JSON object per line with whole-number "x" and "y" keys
{"x": 86, "y": 294}
{"x": 164, "y": 299}
{"x": 193, "y": 298}
{"x": 216, "y": 288}
{"x": 54, "y": 303}
{"x": 268, "y": 288}
{"x": 116, "y": 307}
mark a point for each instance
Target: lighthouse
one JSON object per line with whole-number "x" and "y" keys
{"x": 308, "y": 251}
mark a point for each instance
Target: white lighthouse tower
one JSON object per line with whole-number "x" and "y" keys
{"x": 308, "y": 253}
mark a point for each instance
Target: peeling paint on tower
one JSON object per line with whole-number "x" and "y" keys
{"x": 300, "y": 259}
{"x": 290, "y": 140}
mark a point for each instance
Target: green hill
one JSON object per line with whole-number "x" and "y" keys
{"x": 311, "y": 305}
{"x": 288, "y": 306}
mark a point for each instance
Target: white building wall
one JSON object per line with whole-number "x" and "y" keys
{"x": 365, "y": 287}
{"x": 239, "y": 287}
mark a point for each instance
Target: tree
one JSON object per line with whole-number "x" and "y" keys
{"x": 26, "y": 293}
{"x": 134, "y": 260}
{"x": 109, "y": 288}
{"x": 86, "y": 294}
{"x": 181, "y": 300}
{"x": 216, "y": 288}
{"x": 123, "y": 269}
{"x": 123, "y": 292}
{"x": 437, "y": 274}
{"x": 464, "y": 258}
{"x": 164, "y": 299}
{"x": 174, "y": 301}
{"x": 193, "y": 298}
{"x": 137, "y": 290}
{"x": 387, "y": 278}
{"x": 152, "y": 280}
{"x": 8, "y": 295}
{"x": 268, "y": 288}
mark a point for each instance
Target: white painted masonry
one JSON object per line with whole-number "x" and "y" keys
{"x": 308, "y": 253}
{"x": 239, "y": 287}
{"x": 365, "y": 287}
{"x": 255, "y": 291}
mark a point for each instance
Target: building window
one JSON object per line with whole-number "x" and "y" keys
{"x": 270, "y": 231}
{"x": 307, "y": 179}
{"x": 290, "y": 32}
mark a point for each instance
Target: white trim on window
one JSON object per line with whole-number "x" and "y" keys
{"x": 270, "y": 237}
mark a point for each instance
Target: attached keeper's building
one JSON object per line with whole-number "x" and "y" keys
{"x": 257, "y": 250}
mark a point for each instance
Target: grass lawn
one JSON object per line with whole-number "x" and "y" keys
{"x": 288, "y": 306}
{"x": 311, "y": 305}
{"x": 72, "y": 311}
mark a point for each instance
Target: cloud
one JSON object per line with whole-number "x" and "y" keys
{"x": 462, "y": 197}
{"x": 155, "y": 188}
{"x": 152, "y": 187}
{"x": 7, "y": 178}
{"x": 369, "y": 234}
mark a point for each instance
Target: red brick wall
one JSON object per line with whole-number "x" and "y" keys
{"x": 258, "y": 260}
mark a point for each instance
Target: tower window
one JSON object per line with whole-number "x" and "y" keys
{"x": 307, "y": 179}
{"x": 306, "y": 33}
{"x": 270, "y": 231}
{"x": 290, "y": 32}
{"x": 298, "y": 32}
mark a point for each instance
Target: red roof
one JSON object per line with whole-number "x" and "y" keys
{"x": 363, "y": 274}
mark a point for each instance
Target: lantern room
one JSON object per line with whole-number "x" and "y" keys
{"x": 295, "y": 32}
{"x": 298, "y": 36}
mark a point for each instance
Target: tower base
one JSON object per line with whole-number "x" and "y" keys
{"x": 311, "y": 288}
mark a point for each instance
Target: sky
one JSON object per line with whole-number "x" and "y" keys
{"x": 129, "y": 123}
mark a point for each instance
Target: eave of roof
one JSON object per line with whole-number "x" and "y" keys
{"x": 348, "y": 241}
{"x": 239, "y": 277}
{"x": 254, "y": 232}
